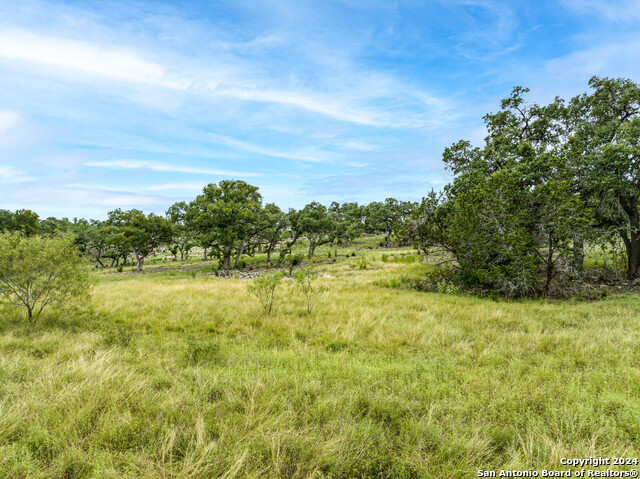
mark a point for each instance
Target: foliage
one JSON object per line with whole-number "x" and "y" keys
{"x": 290, "y": 261}
{"x": 39, "y": 271}
{"x": 606, "y": 152}
{"x": 140, "y": 233}
{"x": 512, "y": 211}
{"x": 183, "y": 234}
{"x": 264, "y": 288}
{"x": 24, "y": 221}
{"x": 317, "y": 225}
{"x": 225, "y": 216}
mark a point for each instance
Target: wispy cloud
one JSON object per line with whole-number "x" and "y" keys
{"x": 162, "y": 167}
{"x": 95, "y": 59}
{"x": 9, "y": 174}
{"x": 189, "y": 186}
{"x": 310, "y": 102}
{"x": 610, "y": 59}
{"x": 9, "y": 119}
{"x": 310, "y": 154}
{"x": 615, "y": 10}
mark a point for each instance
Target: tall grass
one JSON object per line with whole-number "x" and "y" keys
{"x": 176, "y": 377}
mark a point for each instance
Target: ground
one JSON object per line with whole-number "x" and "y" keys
{"x": 172, "y": 374}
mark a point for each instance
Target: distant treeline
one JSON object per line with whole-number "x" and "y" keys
{"x": 225, "y": 221}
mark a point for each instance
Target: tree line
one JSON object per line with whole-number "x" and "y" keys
{"x": 226, "y": 221}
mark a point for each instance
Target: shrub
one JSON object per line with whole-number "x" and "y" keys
{"x": 264, "y": 288}
{"x": 304, "y": 279}
{"x": 290, "y": 262}
{"x": 39, "y": 271}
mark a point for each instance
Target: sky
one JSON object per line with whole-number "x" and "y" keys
{"x": 139, "y": 104}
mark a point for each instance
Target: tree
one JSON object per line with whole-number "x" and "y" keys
{"x": 142, "y": 233}
{"x": 183, "y": 235}
{"x": 606, "y": 149}
{"x": 317, "y": 225}
{"x": 25, "y": 221}
{"x": 512, "y": 210}
{"x": 387, "y": 216}
{"x": 225, "y": 215}
{"x": 39, "y": 271}
{"x": 348, "y": 221}
{"x": 276, "y": 223}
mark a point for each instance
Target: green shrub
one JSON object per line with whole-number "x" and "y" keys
{"x": 304, "y": 279}
{"x": 39, "y": 271}
{"x": 264, "y": 288}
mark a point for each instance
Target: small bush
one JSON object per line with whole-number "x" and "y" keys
{"x": 304, "y": 279}
{"x": 290, "y": 262}
{"x": 264, "y": 288}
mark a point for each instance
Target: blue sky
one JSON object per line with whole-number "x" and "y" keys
{"x": 107, "y": 104}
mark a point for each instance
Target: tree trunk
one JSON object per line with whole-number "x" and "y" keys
{"x": 204, "y": 257}
{"x": 578, "y": 255}
{"x": 312, "y": 248}
{"x": 633, "y": 256}
{"x": 269, "y": 253}
{"x": 226, "y": 261}
{"x": 139, "y": 259}
{"x": 240, "y": 251}
{"x": 388, "y": 239}
{"x": 632, "y": 241}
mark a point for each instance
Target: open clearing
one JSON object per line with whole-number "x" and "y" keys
{"x": 175, "y": 376}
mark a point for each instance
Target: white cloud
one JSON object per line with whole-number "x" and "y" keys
{"x": 310, "y": 102}
{"x": 117, "y": 64}
{"x": 9, "y": 174}
{"x": 616, "y": 10}
{"x": 9, "y": 119}
{"x": 311, "y": 154}
{"x": 193, "y": 186}
{"x": 610, "y": 59}
{"x": 162, "y": 167}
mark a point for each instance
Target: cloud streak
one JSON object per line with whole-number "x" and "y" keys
{"x": 9, "y": 174}
{"x": 165, "y": 168}
{"x": 94, "y": 59}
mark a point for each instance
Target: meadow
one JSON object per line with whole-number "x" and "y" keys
{"x": 177, "y": 373}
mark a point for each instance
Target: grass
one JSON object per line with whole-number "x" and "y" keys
{"x": 170, "y": 376}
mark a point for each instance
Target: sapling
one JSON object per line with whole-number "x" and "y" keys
{"x": 304, "y": 280}
{"x": 264, "y": 288}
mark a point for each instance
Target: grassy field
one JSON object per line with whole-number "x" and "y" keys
{"x": 175, "y": 376}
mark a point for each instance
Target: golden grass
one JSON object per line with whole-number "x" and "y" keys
{"x": 181, "y": 377}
